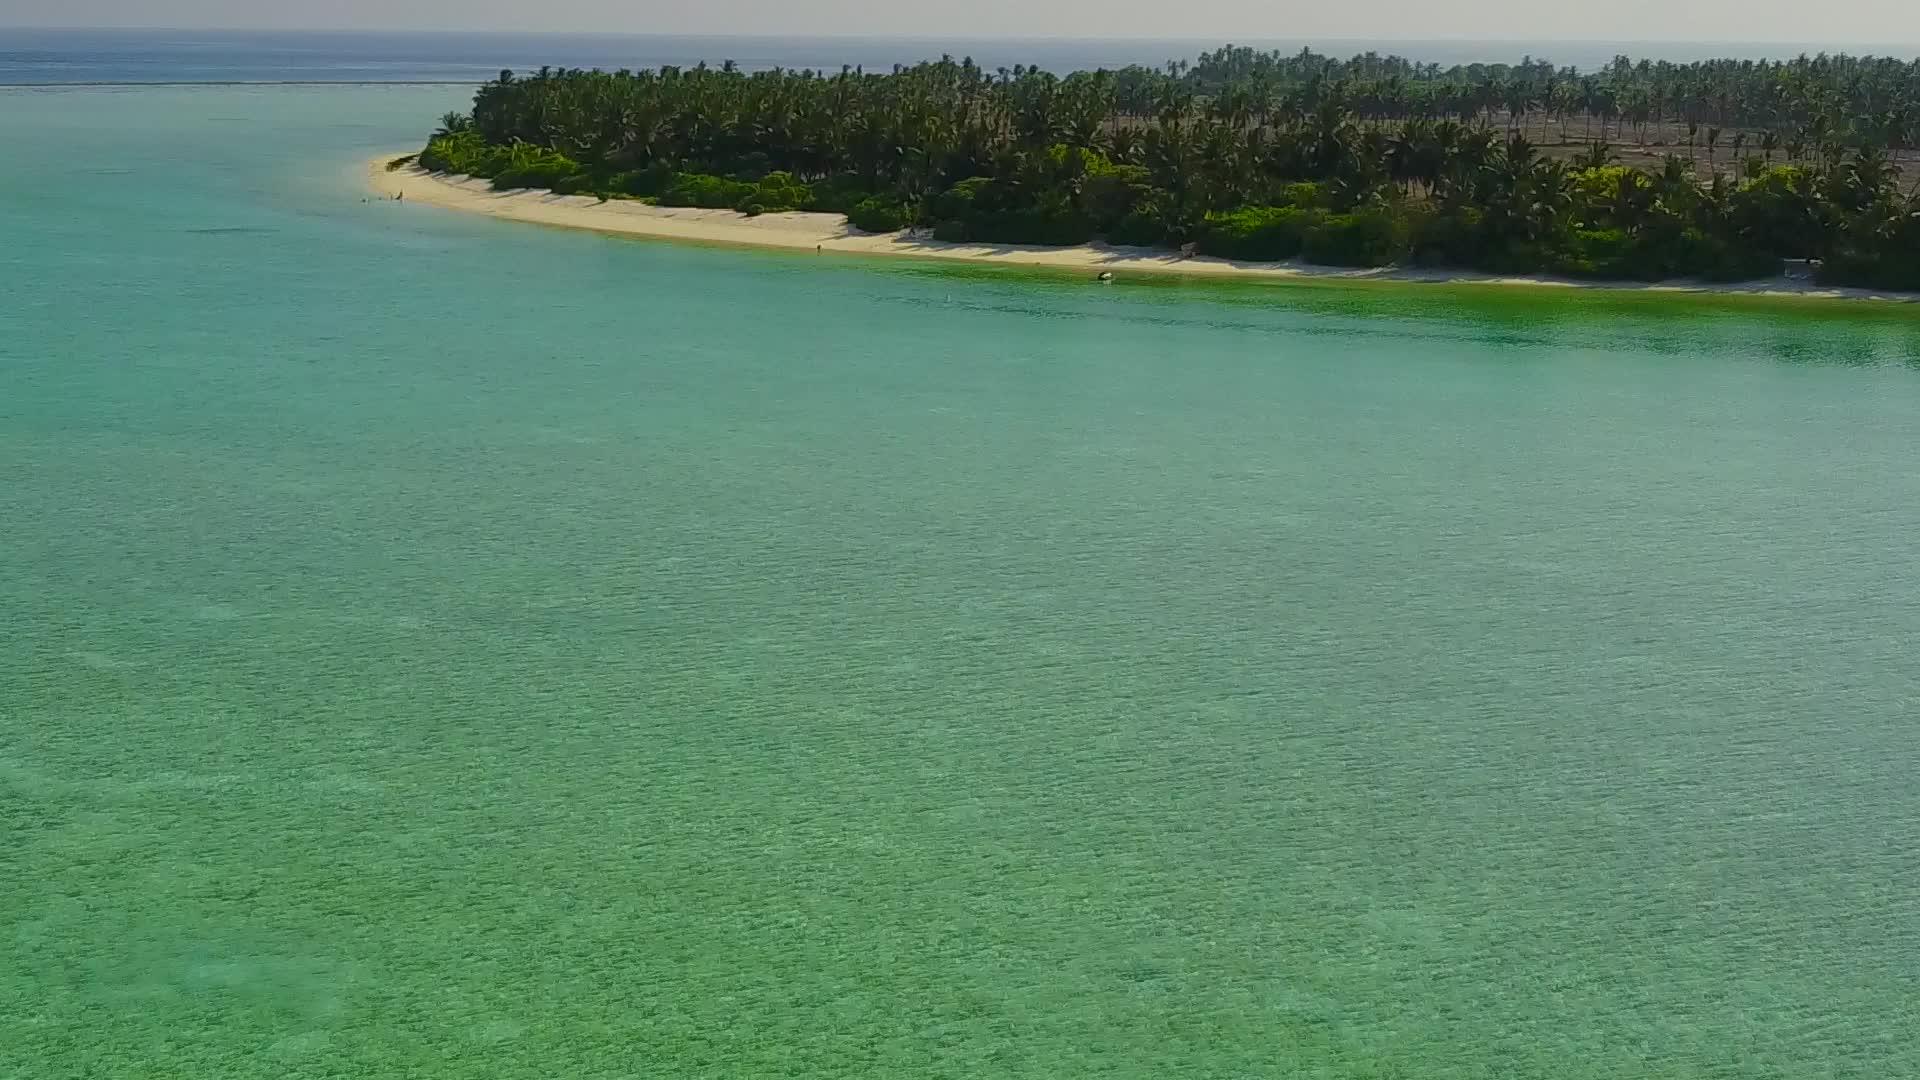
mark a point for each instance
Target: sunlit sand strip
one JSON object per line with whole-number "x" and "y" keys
{"x": 830, "y": 233}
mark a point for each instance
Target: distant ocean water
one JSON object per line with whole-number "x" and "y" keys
{"x": 40, "y": 57}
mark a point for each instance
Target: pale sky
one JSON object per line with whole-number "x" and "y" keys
{"x": 1794, "y": 22}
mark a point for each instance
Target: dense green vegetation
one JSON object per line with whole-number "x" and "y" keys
{"x": 1262, "y": 156}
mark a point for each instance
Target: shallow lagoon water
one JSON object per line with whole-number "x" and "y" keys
{"x": 443, "y": 647}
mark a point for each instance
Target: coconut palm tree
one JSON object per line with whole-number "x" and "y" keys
{"x": 1596, "y": 156}
{"x": 1384, "y": 135}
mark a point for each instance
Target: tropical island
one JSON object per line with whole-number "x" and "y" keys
{"x": 1719, "y": 171}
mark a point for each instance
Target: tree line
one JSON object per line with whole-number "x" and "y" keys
{"x": 1263, "y": 156}
{"x": 1802, "y": 102}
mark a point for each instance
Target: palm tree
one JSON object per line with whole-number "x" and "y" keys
{"x": 1866, "y": 178}
{"x": 1566, "y": 98}
{"x": 1607, "y": 107}
{"x": 1518, "y": 98}
{"x": 1387, "y": 135}
{"x": 1596, "y": 156}
{"x": 1639, "y": 112}
{"x": 1408, "y": 154}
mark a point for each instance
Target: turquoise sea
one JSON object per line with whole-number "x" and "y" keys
{"x": 438, "y": 647}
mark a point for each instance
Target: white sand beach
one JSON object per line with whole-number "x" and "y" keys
{"x": 831, "y": 233}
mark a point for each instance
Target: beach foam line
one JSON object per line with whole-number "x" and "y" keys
{"x": 831, "y": 233}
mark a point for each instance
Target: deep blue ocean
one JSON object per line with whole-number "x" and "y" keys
{"x": 38, "y": 57}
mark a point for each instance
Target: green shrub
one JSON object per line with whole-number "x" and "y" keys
{"x": 1453, "y": 238}
{"x": 1596, "y": 253}
{"x": 963, "y": 201}
{"x": 1115, "y": 194}
{"x": 1258, "y": 233}
{"x": 463, "y": 153}
{"x": 878, "y": 214}
{"x": 531, "y": 167}
{"x": 1881, "y": 250}
{"x": 1054, "y": 225}
{"x": 1063, "y": 226}
{"x": 839, "y": 194}
{"x": 538, "y": 177}
{"x": 1871, "y": 270}
{"x": 753, "y": 209}
{"x": 1142, "y": 227}
{"x": 952, "y": 232}
{"x": 1732, "y": 263}
{"x": 1363, "y": 238}
{"x": 990, "y": 211}
{"x": 1780, "y": 212}
{"x": 1305, "y": 196}
{"x": 780, "y": 191}
{"x": 650, "y": 181}
{"x": 706, "y": 192}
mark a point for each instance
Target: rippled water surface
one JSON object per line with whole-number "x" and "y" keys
{"x": 433, "y": 646}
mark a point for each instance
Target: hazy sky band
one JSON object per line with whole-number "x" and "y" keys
{"x": 1793, "y": 23}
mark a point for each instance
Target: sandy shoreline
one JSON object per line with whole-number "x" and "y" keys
{"x": 830, "y": 233}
